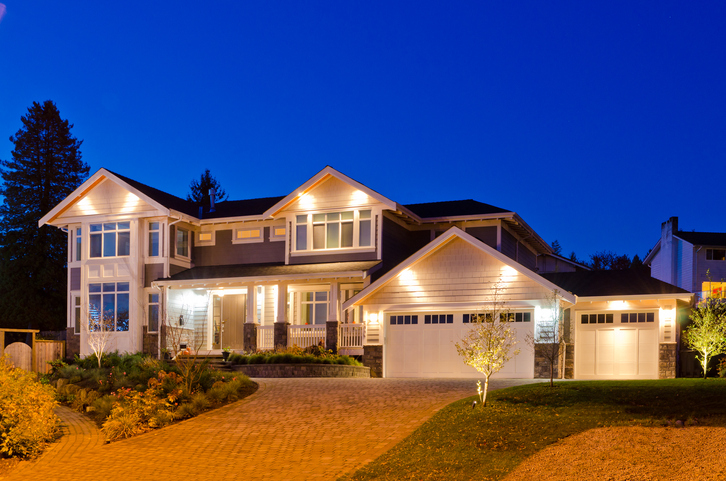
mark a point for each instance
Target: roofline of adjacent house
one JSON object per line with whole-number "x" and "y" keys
{"x": 434, "y": 245}
{"x": 570, "y": 261}
{"x": 649, "y": 258}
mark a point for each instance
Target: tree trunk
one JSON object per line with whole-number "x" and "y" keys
{"x": 486, "y": 390}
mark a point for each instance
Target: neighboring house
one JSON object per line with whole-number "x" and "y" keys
{"x": 694, "y": 261}
{"x": 334, "y": 263}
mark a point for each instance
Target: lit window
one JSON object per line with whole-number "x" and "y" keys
{"x": 333, "y": 230}
{"x": 154, "y": 239}
{"x": 205, "y": 236}
{"x": 182, "y": 242}
{"x": 277, "y": 232}
{"x": 108, "y": 305}
{"x": 110, "y": 239}
{"x": 247, "y": 235}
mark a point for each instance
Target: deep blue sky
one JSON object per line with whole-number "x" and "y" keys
{"x": 594, "y": 121}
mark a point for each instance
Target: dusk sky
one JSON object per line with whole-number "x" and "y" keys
{"x": 595, "y": 121}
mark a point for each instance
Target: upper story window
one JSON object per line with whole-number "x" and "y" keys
{"x": 333, "y": 230}
{"x": 154, "y": 239}
{"x": 716, "y": 254}
{"x": 78, "y": 244}
{"x": 182, "y": 242}
{"x": 110, "y": 239}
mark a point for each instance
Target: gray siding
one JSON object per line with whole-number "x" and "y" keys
{"x": 173, "y": 269}
{"x": 75, "y": 278}
{"x": 487, "y": 235}
{"x": 399, "y": 243}
{"x": 514, "y": 249}
{"x": 223, "y": 252}
{"x": 716, "y": 269}
{"x": 526, "y": 257}
{"x": 509, "y": 244}
{"x": 152, "y": 272}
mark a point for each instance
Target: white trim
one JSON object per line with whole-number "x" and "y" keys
{"x": 449, "y": 235}
{"x": 248, "y": 240}
{"x": 202, "y": 243}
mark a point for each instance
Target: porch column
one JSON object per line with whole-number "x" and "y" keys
{"x": 250, "y": 327}
{"x": 331, "y": 326}
{"x": 282, "y": 322}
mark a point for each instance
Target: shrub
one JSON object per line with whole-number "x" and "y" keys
{"x": 27, "y": 421}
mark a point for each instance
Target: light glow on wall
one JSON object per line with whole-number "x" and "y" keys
{"x": 86, "y": 206}
{"x": 131, "y": 202}
{"x": 619, "y": 305}
{"x": 306, "y": 201}
{"x": 359, "y": 197}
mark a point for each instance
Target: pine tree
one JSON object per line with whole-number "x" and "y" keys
{"x": 199, "y": 190}
{"x": 45, "y": 168}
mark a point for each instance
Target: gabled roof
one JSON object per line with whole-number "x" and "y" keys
{"x": 274, "y": 271}
{"x": 628, "y": 282}
{"x": 717, "y": 239}
{"x": 316, "y": 180}
{"x": 454, "y": 208}
{"x": 168, "y": 200}
{"x": 438, "y": 243}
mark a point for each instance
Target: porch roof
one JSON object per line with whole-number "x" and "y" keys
{"x": 272, "y": 271}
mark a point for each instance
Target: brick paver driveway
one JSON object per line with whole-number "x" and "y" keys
{"x": 290, "y": 429}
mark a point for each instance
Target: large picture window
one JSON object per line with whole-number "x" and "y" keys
{"x": 314, "y": 307}
{"x": 333, "y": 230}
{"x": 110, "y": 239}
{"x": 108, "y": 305}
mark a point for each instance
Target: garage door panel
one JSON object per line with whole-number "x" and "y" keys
{"x": 626, "y": 352}
{"x": 586, "y": 352}
{"x": 604, "y": 355}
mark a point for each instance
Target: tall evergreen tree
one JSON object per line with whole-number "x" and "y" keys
{"x": 45, "y": 168}
{"x": 199, "y": 190}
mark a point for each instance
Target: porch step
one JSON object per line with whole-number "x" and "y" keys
{"x": 215, "y": 362}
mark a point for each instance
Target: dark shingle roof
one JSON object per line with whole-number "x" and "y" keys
{"x": 453, "y": 208}
{"x": 611, "y": 283}
{"x": 163, "y": 198}
{"x": 703, "y": 238}
{"x": 269, "y": 270}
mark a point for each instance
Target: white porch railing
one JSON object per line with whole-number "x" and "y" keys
{"x": 351, "y": 335}
{"x": 304, "y": 336}
{"x": 265, "y": 337}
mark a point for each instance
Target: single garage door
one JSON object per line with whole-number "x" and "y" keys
{"x": 423, "y": 345}
{"x": 622, "y": 345}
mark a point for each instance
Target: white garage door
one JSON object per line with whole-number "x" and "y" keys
{"x": 423, "y": 345}
{"x": 617, "y": 346}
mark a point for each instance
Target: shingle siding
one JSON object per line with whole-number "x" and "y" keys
{"x": 224, "y": 252}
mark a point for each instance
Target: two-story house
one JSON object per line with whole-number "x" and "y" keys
{"x": 337, "y": 263}
{"x": 694, "y": 261}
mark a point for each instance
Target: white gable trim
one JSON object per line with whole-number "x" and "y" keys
{"x": 435, "y": 245}
{"x": 318, "y": 179}
{"x": 93, "y": 181}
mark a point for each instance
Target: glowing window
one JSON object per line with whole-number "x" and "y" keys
{"x": 716, "y": 254}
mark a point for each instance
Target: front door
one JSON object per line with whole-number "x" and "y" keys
{"x": 234, "y": 313}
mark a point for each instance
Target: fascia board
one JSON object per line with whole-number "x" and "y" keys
{"x": 319, "y": 178}
{"x": 93, "y": 181}
{"x": 534, "y": 234}
{"x": 257, "y": 279}
{"x": 461, "y": 218}
{"x": 232, "y": 220}
{"x": 436, "y": 244}
{"x": 634, "y": 297}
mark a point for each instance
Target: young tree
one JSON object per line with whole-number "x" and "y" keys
{"x": 707, "y": 333}
{"x": 199, "y": 190}
{"x": 44, "y": 169}
{"x": 98, "y": 329}
{"x": 488, "y": 344}
{"x": 549, "y": 337}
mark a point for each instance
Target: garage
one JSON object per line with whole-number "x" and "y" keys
{"x": 617, "y": 345}
{"x": 422, "y": 344}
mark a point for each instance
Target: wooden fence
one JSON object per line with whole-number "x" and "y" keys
{"x": 48, "y": 351}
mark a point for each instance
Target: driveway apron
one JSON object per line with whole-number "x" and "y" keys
{"x": 289, "y": 429}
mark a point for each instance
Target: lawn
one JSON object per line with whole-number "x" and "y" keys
{"x": 487, "y": 443}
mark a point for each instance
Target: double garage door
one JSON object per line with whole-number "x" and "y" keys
{"x": 423, "y": 345}
{"x": 618, "y": 347}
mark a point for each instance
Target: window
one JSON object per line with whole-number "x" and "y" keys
{"x": 110, "y": 239}
{"x": 439, "y": 319}
{"x": 632, "y": 317}
{"x": 260, "y": 307}
{"x": 716, "y": 254}
{"x": 182, "y": 242}
{"x": 713, "y": 289}
{"x": 154, "y": 239}
{"x": 404, "y": 320}
{"x": 78, "y": 243}
{"x": 77, "y": 314}
{"x": 314, "y": 307}
{"x": 277, "y": 232}
{"x": 109, "y": 306}
{"x": 333, "y": 230}
{"x": 503, "y": 317}
{"x": 247, "y": 235}
{"x": 153, "y": 312}
{"x": 597, "y": 319}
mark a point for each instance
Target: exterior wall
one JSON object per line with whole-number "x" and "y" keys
{"x": 518, "y": 251}
{"x": 399, "y": 243}
{"x": 717, "y": 270}
{"x": 73, "y": 343}
{"x": 486, "y": 234}
{"x": 547, "y": 263}
{"x": 657, "y": 266}
{"x": 509, "y": 245}
{"x": 373, "y": 359}
{"x": 75, "y": 283}
{"x": 457, "y": 273}
{"x": 108, "y": 198}
{"x": 350, "y": 257}
{"x": 332, "y": 194}
{"x": 151, "y": 343}
{"x": 152, "y": 272}
{"x": 542, "y": 363}
{"x": 224, "y": 252}
{"x": 683, "y": 256}
{"x": 194, "y": 307}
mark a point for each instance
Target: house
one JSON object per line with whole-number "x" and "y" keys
{"x": 694, "y": 261}
{"x": 336, "y": 263}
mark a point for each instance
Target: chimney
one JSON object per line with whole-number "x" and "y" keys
{"x": 212, "y": 195}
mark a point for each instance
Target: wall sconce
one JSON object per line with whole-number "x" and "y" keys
{"x": 373, "y": 318}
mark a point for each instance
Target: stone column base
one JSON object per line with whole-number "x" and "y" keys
{"x": 73, "y": 343}
{"x": 150, "y": 343}
{"x": 373, "y": 358}
{"x": 281, "y": 334}
{"x": 250, "y": 336}
{"x": 667, "y": 361}
{"x": 331, "y": 335}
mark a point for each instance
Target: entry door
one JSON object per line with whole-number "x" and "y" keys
{"x": 234, "y": 311}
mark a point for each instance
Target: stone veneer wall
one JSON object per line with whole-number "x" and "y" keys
{"x": 280, "y": 333}
{"x": 541, "y": 363}
{"x": 73, "y": 343}
{"x": 667, "y": 361}
{"x": 569, "y": 361}
{"x": 250, "y": 337}
{"x": 373, "y": 358}
{"x": 331, "y": 335}
{"x": 302, "y": 370}
{"x": 150, "y": 343}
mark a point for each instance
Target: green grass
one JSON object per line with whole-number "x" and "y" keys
{"x": 486, "y": 443}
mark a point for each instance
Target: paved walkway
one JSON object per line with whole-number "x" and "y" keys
{"x": 289, "y": 429}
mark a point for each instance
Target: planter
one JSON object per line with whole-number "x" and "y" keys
{"x": 225, "y": 355}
